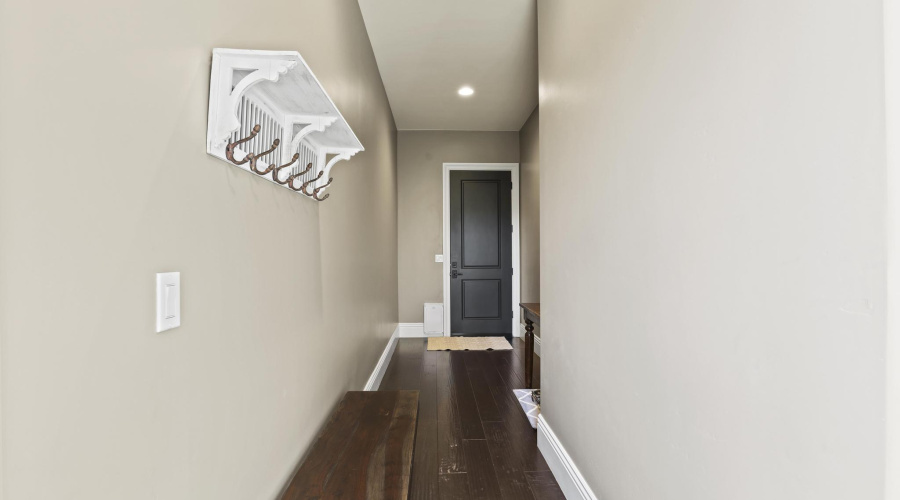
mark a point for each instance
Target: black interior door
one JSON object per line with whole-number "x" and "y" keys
{"x": 480, "y": 253}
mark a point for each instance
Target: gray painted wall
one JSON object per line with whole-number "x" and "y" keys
{"x": 420, "y": 159}
{"x": 530, "y": 207}
{"x": 105, "y": 181}
{"x": 713, "y": 287}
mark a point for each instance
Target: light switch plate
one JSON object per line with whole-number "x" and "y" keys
{"x": 168, "y": 301}
{"x": 439, "y": 257}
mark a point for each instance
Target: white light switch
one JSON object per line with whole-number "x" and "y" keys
{"x": 171, "y": 302}
{"x": 439, "y": 257}
{"x": 168, "y": 301}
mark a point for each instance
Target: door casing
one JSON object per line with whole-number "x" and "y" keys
{"x": 513, "y": 169}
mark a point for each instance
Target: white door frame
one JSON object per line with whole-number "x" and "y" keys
{"x": 513, "y": 169}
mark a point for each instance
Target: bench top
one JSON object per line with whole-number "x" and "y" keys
{"x": 363, "y": 451}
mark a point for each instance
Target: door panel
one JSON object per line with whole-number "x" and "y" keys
{"x": 480, "y": 253}
{"x": 480, "y": 243}
{"x": 481, "y": 299}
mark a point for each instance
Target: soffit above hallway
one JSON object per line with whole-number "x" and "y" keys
{"x": 427, "y": 49}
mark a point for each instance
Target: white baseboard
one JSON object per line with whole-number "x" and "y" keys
{"x": 570, "y": 480}
{"x": 411, "y": 330}
{"x": 415, "y": 330}
{"x": 381, "y": 367}
{"x": 537, "y": 340}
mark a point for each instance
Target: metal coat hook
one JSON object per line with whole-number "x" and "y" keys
{"x": 254, "y": 157}
{"x": 315, "y": 193}
{"x": 291, "y": 178}
{"x": 277, "y": 170}
{"x": 315, "y": 196}
{"x": 302, "y": 188}
{"x": 229, "y": 149}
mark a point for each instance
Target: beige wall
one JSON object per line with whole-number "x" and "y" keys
{"x": 713, "y": 286}
{"x": 892, "y": 135}
{"x": 420, "y": 159}
{"x": 105, "y": 181}
{"x": 530, "y": 207}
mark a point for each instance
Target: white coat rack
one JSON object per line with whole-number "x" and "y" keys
{"x": 269, "y": 115}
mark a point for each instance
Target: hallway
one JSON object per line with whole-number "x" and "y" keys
{"x": 280, "y": 207}
{"x": 473, "y": 440}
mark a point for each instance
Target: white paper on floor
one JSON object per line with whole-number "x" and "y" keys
{"x": 531, "y": 410}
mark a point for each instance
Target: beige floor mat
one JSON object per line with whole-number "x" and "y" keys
{"x": 468, "y": 344}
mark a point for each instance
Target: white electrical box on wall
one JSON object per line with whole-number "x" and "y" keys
{"x": 434, "y": 319}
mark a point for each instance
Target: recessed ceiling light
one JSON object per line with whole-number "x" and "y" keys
{"x": 466, "y": 91}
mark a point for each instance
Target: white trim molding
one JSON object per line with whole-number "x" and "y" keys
{"x": 383, "y": 362}
{"x": 414, "y": 331}
{"x": 513, "y": 169}
{"x": 571, "y": 482}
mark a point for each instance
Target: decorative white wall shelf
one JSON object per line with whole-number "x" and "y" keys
{"x": 269, "y": 115}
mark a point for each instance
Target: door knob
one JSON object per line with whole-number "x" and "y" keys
{"x": 454, "y": 273}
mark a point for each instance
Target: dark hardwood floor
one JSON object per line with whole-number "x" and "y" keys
{"x": 473, "y": 440}
{"x": 364, "y": 451}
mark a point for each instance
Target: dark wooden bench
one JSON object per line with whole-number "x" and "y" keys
{"x": 363, "y": 452}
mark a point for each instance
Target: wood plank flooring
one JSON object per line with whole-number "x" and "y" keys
{"x": 364, "y": 451}
{"x": 473, "y": 440}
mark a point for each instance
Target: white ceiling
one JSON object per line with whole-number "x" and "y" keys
{"x": 427, "y": 49}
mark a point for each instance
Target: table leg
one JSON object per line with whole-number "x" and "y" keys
{"x": 529, "y": 352}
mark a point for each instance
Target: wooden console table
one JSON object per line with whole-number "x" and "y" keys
{"x": 532, "y": 312}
